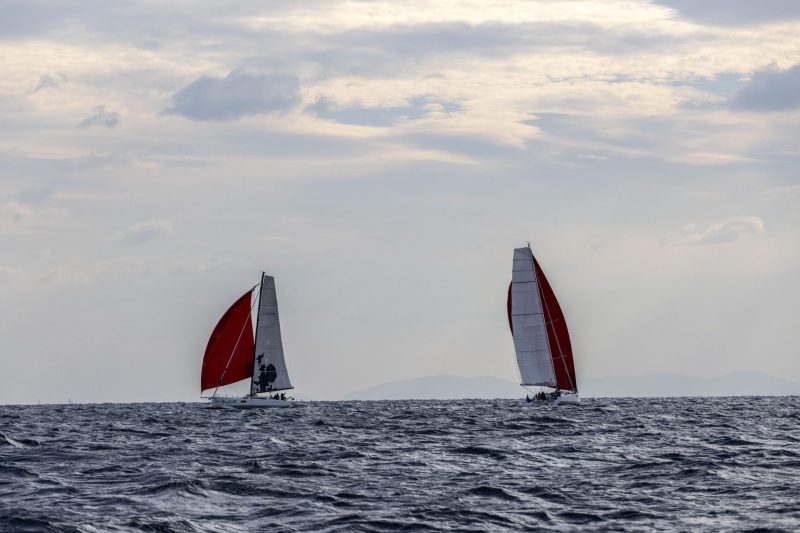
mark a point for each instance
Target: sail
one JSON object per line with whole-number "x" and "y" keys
{"x": 269, "y": 368}
{"x": 541, "y": 338}
{"x": 557, "y": 335}
{"x": 527, "y": 323}
{"x": 231, "y": 340}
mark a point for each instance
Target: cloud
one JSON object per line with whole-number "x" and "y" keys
{"x": 34, "y": 195}
{"x": 783, "y": 191}
{"x": 146, "y": 232}
{"x": 397, "y": 49}
{"x": 727, "y": 230}
{"x": 9, "y": 275}
{"x": 417, "y": 107}
{"x": 45, "y": 82}
{"x": 769, "y": 90}
{"x": 101, "y": 117}
{"x": 735, "y": 12}
{"x": 237, "y": 95}
{"x": 31, "y": 217}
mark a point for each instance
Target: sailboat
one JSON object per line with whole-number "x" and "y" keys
{"x": 541, "y": 338}
{"x": 236, "y": 351}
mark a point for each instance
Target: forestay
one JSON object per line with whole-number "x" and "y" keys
{"x": 269, "y": 366}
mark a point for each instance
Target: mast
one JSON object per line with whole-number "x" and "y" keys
{"x": 255, "y": 344}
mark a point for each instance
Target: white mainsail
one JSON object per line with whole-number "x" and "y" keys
{"x": 530, "y": 336}
{"x": 269, "y": 371}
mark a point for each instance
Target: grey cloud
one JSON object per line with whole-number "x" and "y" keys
{"x": 416, "y": 107}
{"x": 237, "y": 95}
{"x": 45, "y": 82}
{"x": 145, "y": 232}
{"x": 722, "y": 85}
{"x": 34, "y": 195}
{"x": 27, "y": 18}
{"x": 473, "y": 146}
{"x": 385, "y": 51}
{"x": 727, "y": 230}
{"x": 493, "y": 38}
{"x": 137, "y": 23}
{"x": 769, "y": 90}
{"x": 49, "y": 166}
{"x": 393, "y": 50}
{"x": 735, "y": 12}
{"x": 101, "y": 117}
{"x": 9, "y": 275}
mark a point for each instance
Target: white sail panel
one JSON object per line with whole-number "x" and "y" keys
{"x": 269, "y": 372}
{"x": 530, "y": 336}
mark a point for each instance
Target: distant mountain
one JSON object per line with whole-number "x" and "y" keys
{"x": 446, "y": 387}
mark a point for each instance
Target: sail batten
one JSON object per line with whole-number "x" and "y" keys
{"x": 541, "y": 338}
{"x": 269, "y": 365}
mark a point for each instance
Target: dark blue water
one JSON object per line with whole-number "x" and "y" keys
{"x": 676, "y": 464}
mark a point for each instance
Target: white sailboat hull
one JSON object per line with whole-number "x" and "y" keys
{"x": 564, "y": 399}
{"x": 567, "y": 399}
{"x": 248, "y": 402}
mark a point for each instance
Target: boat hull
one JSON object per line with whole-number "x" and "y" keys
{"x": 563, "y": 399}
{"x": 248, "y": 402}
{"x": 567, "y": 399}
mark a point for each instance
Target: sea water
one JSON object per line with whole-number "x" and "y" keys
{"x": 688, "y": 464}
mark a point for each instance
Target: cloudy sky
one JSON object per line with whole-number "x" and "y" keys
{"x": 382, "y": 160}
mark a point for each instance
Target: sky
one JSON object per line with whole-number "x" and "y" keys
{"x": 382, "y": 160}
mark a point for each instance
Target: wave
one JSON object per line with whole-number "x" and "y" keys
{"x": 410, "y": 466}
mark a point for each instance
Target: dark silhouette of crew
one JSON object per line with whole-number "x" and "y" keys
{"x": 267, "y": 374}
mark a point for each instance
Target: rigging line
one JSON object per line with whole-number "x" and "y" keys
{"x": 255, "y": 344}
{"x": 222, "y": 377}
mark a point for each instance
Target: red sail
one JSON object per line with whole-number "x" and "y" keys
{"x": 234, "y": 331}
{"x": 508, "y": 309}
{"x": 557, "y": 335}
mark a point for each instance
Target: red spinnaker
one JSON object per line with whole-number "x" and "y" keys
{"x": 234, "y": 325}
{"x": 557, "y": 334}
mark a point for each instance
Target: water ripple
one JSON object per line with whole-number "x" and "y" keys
{"x": 609, "y": 465}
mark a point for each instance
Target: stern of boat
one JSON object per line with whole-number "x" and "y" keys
{"x": 567, "y": 399}
{"x": 248, "y": 402}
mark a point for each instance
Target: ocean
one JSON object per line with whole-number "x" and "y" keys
{"x": 682, "y": 464}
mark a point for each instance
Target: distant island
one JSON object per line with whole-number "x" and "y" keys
{"x": 447, "y": 387}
